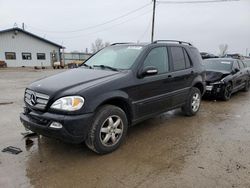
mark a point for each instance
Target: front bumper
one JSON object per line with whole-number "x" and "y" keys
{"x": 215, "y": 90}
{"x": 74, "y": 127}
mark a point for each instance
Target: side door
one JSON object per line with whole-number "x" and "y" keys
{"x": 237, "y": 76}
{"x": 243, "y": 73}
{"x": 182, "y": 74}
{"x": 153, "y": 91}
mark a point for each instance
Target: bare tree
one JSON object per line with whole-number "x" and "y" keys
{"x": 98, "y": 44}
{"x": 223, "y": 49}
{"x": 106, "y": 44}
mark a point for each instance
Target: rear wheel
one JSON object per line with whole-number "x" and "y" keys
{"x": 193, "y": 103}
{"x": 108, "y": 130}
{"x": 227, "y": 92}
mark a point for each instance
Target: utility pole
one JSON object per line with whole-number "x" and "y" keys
{"x": 153, "y": 21}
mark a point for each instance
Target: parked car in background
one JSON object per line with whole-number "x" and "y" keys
{"x": 234, "y": 56}
{"x": 247, "y": 62}
{"x": 119, "y": 86}
{"x": 225, "y": 76}
{"x": 206, "y": 55}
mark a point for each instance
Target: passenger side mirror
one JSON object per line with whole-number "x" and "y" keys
{"x": 148, "y": 71}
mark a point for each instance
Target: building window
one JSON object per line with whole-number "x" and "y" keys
{"x": 26, "y": 56}
{"x": 10, "y": 55}
{"x": 41, "y": 56}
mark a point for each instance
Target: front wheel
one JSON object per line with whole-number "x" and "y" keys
{"x": 227, "y": 92}
{"x": 108, "y": 129}
{"x": 192, "y": 105}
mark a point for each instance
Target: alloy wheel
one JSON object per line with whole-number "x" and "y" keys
{"x": 196, "y": 100}
{"x": 111, "y": 131}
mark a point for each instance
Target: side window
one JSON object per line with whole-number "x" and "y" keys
{"x": 236, "y": 65}
{"x": 158, "y": 57}
{"x": 187, "y": 60}
{"x": 178, "y": 58}
{"x": 241, "y": 65}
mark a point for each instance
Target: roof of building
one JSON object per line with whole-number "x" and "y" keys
{"x": 30, "y": 34}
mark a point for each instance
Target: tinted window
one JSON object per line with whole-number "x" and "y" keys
{"x": 236, "y": 65}
{"x": 241, "y": 65}
{"x": 247, "y": 62}
{"x": 188, "y": 63}
{"x": 218, "y": 64}
{"x": 178, "y": 58}
{"x": 158, "y": 58}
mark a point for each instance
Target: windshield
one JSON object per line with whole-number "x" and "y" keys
{"x": 118, "y": 57}
{"x": 218, "y": 64}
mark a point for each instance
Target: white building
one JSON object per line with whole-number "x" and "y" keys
{"x": 21, "y": 48}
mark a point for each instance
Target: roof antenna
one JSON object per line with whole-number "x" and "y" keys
{"x": 23, "y": 26}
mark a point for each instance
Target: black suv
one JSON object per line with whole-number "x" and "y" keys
{"x": 117, "y": 87}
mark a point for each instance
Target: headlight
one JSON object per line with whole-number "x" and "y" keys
{"x": 216, "y": 83}
{"x": 70, "y": 103}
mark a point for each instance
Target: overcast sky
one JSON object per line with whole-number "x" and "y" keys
{"x": 206, "y": 25}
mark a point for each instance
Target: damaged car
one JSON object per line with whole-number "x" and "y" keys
{"x": 225, "y": 76}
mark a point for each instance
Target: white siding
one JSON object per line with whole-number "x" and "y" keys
{"x": 21, "y": 42}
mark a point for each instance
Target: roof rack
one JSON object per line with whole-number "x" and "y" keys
{"x": 177, "y": 41}
{"x": 121, "y": 43}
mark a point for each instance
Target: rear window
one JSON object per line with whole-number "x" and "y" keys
{"x": 247, "y": 62}
{"x": 178, "y": 58}
{"x": 195, "y": 54}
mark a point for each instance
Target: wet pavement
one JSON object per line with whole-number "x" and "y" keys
{"x": 211, "y": 149}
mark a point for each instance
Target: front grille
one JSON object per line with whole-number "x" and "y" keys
{"x": 35, "y": 99}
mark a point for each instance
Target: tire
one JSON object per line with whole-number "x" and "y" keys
{"x": 192, "y": 105}
{"x": 108, "y": 129}
{"x": 227, "y": 92}
{"x": 247, "y": 86}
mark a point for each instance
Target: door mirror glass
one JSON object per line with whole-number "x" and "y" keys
{"x": 148, "y": 71}
{"x": 236, "y": 70}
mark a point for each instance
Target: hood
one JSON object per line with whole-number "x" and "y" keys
{"x": 215, "y": 75}
{"x": 70, "y": 79}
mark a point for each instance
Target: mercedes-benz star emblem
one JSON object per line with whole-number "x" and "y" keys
{"x": 33, "y": 99}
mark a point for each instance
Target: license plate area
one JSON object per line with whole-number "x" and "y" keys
{"x": 209, "y": 88}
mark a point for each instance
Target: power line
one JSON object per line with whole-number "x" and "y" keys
{"x": 195, "y": 2}
{"x": 97, "y": 25}
{"x": 107, "y": 28}
{"x": 144, "y": 33}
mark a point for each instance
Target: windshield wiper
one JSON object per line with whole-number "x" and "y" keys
{"x": 106, "y": 66}
{"x": 85, "y": 65}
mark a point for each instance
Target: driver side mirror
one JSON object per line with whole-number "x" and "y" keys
{"x": 236, "y": 70}
{"x": 148, "y": 71}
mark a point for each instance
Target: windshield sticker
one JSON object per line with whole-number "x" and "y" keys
{"x": 135, "y": 47}
{"x": 226, "y": 62}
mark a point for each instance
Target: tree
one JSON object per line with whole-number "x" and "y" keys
{"x": 98, "y": 44}
{"x": 223, "y": 49}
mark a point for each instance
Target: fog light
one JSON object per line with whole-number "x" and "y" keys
{"x": 56, "y": 125}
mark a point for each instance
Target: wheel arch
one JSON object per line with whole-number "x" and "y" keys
{"x": 119, "y": 99}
